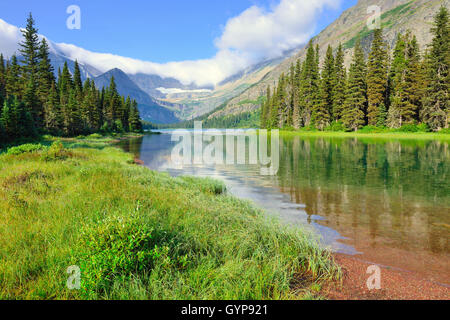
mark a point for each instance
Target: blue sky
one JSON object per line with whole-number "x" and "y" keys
{"x": 157, "y": 31}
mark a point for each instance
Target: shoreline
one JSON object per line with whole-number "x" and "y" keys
{"x": 396, "y": 284}
{"x": 430, "y": 136}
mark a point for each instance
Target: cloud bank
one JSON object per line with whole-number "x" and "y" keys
{"x": 253, "y": 36}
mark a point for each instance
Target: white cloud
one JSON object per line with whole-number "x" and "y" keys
{"x": 254, "y": 35}
{"x": 9, "y": 38}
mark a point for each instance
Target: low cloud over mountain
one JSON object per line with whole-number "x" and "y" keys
{"x": 253, "y": 36}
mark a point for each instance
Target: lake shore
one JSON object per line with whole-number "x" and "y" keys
{"x": 396, "y": 284}
{"x": 188, "y": 238}
{"x": 381, "y": 135}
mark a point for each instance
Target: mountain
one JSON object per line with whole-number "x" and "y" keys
{"x": 150, "y": 83}
{"x": 398, "y": 16}
{"x": 59, "y": 60}
{"x": 150, "y": 109}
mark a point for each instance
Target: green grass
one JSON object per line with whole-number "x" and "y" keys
{"x": 139, "y": 234}
{"x": 380, "y": 135}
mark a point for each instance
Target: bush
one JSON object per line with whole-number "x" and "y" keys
{"x": 119, "y": 248}
{"x": 25, "y": 148}
{"x": 336, "y": 126}
{"x": 445, "y": 131}
{"x": 372, "y": 129}
{"x": 408, "y": 128}
{"x": 95, "y": 136}
{"x": 55, "y": 152}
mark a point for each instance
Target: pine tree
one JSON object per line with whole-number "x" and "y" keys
{"x": 53, "y": 113}
{"x": 436, "y": 106}
{"x": 13, "y": 85}
{"x": 324, "y": 107}
{"x": 274, "y": 111}
{"x": 32, "y": 104}
{"x": 46, "y": 76}
{"x": 414, "y": 90}
{"x": 356, "y": 100}
{"x": 29, "y": 50}
{"x": 309, "y": 86}
{"x": 265, "y": 109}
{"x": 2, "y": 81}
{"x": 134, "y": 119}
{"x": 340, "y": 84}
{"x": 397, "y": 83}
{"x": 78, "y": 85}
{"x": 296, "y": 118}
{"x": 376, "y": 77}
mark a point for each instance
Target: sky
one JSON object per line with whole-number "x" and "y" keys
{"x": 196, "y": 40}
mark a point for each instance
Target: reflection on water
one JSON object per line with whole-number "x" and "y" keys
{"x": 386, "y": 200}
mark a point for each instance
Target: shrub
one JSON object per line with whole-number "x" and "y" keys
{"x": 95, "y": 136}
{"x": 336, "y": 126}
{"x": 408, "y": 128}
{"x": 119, "y": 248}
{"x": 55, "y": 152}
{"x": 25, "y": 148}
{"x": 423, "y": 127}
{"x": 372, "y": 129}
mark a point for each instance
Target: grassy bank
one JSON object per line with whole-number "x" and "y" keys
{"x": 380, "y": 135}
{"x": 139, "y": 234}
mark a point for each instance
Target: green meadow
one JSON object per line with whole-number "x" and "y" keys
{"x": 139, "y": 234}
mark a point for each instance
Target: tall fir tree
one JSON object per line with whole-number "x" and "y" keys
{"x": 309, "y": 85}
{"x": 436, "y": 105}
{"x": 2, "y": 81}
{"x": 377, "y": 73}
{"x": 340, "y": 84}
{"x": 29, "y": 49}
{"x": 13, "y": 84}
{"x": 46, "y": 77}
{"x": 53, "y": 113}
{"x": 324, "y": 107}
{"x": 356, "y": 99}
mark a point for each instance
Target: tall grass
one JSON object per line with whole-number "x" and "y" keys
{"x": 139, "y": 234}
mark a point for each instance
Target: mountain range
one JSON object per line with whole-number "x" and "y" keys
{"x": 397, "y": 16}
{"x": 167, "y": 100}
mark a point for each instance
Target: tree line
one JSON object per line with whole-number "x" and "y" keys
{"x": 384, "y": 90}
{"x": 34, "y": 101}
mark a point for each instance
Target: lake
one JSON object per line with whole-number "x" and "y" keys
{"x": 383, "y": 201}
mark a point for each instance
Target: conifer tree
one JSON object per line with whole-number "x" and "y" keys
{"x": 29, "y": 49}
{"x": 13, "y": 85}
{"x": 53, "y": 113}
{"x": 309, "y": 86}
{"x": 46, "y": 76}
{"x": 356, "y": 100}
{"x": 324, "y": 107}
{"x": 397, "y": 83}
{"x": 2, "y": 81}
{"x": 436, "y": 105}
{"x": 78, "y": 85}
{"x": 414, "y": 90}
{"x": 377, "y": 71}
{"x": 134, "y": 120}
{"x": 340, "y": 84}
{"x": 266, "y": 109}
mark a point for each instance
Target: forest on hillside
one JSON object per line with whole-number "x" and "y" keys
{"x": 405, "y": 88}
{"x": 33, "y": 101}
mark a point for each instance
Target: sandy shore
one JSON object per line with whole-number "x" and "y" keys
{"x": 395, "y": 284}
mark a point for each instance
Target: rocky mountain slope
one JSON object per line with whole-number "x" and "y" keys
{"x": 398, "y": 16}
{"x": 150, "y": 108}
